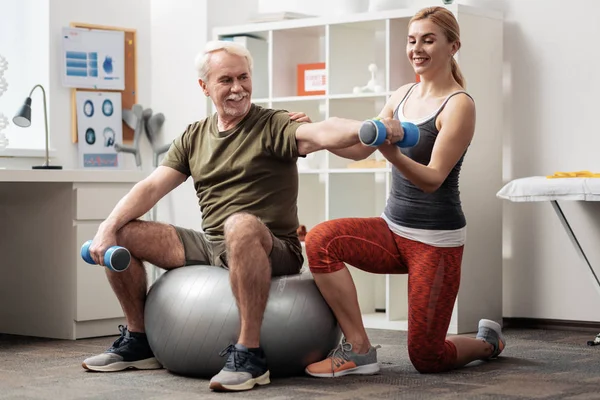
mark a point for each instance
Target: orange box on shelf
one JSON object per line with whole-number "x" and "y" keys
{"x": 311, "y": 79}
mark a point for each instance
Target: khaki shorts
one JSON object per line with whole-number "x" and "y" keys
{"x": 285, "y": 257}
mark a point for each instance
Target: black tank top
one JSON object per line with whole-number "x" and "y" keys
{"x": 409, "y": 206}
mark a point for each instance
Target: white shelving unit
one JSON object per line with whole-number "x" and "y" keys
{"x": 330, "y": 189}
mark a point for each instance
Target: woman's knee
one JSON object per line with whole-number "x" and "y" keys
{"x": 321, "y": 250}
{"x": 321, "y": 235}
{"x": 427, "y": 360}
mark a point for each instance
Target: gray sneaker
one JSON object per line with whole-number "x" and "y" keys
{"x": 343, "y": 361}
{"x": 243, "y": 369}
{"x": 130, "y": 350}
{"x": 491, "y": 332}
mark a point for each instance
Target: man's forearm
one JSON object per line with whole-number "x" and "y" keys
{"x": 339, "y": 133}
{"x": 134, "y": 204}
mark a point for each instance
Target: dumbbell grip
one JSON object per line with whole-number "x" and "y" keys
{"x": 373, "y": 133}
{"x": 116, "y": 258}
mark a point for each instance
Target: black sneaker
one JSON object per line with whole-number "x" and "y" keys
{"x": 243, "y": 370}
{"x": 130, "y": 350}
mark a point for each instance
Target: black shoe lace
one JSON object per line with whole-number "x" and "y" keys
{"x": 121, "y": 339}
{"x": 236, "y": 358}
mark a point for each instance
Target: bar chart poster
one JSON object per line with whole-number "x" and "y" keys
{"x": 93, "y": 59}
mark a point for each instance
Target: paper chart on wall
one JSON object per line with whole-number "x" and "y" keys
{"x": 93, "y": 59}
{"x": 99, "y": 127}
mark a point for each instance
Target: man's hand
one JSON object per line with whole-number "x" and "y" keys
{"x": 299, "y": 117}
{"x": 104, "y": 239}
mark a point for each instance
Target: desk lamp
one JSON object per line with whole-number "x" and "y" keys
{"x": 23, "y": 119}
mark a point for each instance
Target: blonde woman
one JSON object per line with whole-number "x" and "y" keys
{"x": 421, "y": 232}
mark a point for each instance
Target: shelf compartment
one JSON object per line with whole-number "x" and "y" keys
{"x": 313, "y": 163}
{"x": 311, "y": 200}
{"x": 290, "y": 48}
{"x": 360, "y": 108}
{"x": 262, "y": 103}
{"x": 396, "y": 301}
{"x": 346, "y": 201}
{"x": 290, "y": 99}
{"x": 376, "y": 171}
{"x": 352, "y": 48}
{"x": 314, "y": 108}
{"x": 366, "y": 290}
{"x": 343, "y": 96}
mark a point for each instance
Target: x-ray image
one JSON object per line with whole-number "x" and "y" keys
{"x": 109, "y": 137}
{"x": 107, "y": 107}
{"x": 99, "y": 127}
{"x": 90, "y": 136}
{"x": 88, "y": 108}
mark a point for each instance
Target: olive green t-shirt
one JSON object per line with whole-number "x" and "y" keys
{"x": 250, "y": 168}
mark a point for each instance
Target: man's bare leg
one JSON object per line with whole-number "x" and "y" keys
{"x": 249, "y": 244}
{"x": 158, "y": 244}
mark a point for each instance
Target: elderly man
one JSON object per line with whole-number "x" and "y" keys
{"x": 243, "y": 163}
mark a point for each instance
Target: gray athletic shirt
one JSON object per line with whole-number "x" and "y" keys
{"x": 409, "y": 206}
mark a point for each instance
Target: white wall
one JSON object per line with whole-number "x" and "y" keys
{"x": 131, "y": 14}
{"x": 179, "y": 30}
{"x": 24, "y": 43}
{"x": 315, "y": 7}
{"x": 230, "y": 12}
{"x": 550, "y": 116}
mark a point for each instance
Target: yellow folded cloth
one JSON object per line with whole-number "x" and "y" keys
{"x": 575, "y": 174}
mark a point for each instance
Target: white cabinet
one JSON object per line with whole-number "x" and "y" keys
{"x": 46, "y": 289}
{"x": 95, "y": 298}
{"x": 332, "y": 187}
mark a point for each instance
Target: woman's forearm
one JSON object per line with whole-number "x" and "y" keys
{"x": 357, "y": 152}
{"x": 422, "y": 176}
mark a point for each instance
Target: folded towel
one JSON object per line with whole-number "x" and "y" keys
{"x": 575, "y": 174}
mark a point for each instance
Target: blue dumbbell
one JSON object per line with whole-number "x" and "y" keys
{"x": 116, "y": 258}
{"x": 373, "y": 133}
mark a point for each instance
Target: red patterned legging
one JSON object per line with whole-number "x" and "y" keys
{"x": 433, "y": 278}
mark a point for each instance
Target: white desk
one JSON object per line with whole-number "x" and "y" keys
{"x": 46, "y": 289}
{"x": 540, "y": 188}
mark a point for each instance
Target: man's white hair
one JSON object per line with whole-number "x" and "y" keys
{"x": 203, "y": 59}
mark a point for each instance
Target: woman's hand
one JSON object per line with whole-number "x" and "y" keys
{"x": 394, "y": 133}
{"x": 299, "y": 117}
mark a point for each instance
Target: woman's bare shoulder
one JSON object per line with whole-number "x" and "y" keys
{"x": 395, "y": 99}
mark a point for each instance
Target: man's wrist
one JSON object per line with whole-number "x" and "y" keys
{"x": 108, "y": 226}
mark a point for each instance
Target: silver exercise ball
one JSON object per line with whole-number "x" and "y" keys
{"x": 191, "y": 316}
